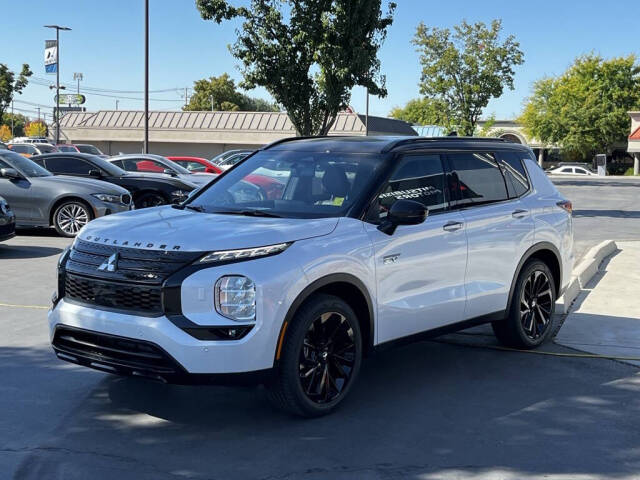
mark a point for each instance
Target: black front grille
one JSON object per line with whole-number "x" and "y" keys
{"x": 114, "y": 354}
{"x": 143, "y": 299}
{"x": 136, "y": 265}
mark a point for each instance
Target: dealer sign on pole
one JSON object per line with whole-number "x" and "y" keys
{"x": 50, "y": 56}
{"x": 71, "y": 99}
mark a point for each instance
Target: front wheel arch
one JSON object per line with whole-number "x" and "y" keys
{"x": 62, "y": 200}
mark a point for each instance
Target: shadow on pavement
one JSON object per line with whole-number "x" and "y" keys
{"x": 25, "y": 252}
{"x": 425, "y": 409}
{"x": 37, "y": 232}
{"x": 607, "y": 213}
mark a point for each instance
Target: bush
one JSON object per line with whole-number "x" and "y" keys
{"x": 629, "y": 172}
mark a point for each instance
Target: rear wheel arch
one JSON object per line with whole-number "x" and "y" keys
{"x": 348, "y": 288}
{"x": 550, "y": 256}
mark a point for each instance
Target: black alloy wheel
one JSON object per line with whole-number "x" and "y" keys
{"x": 320, "y": 358}
{"x": 327, "y": 357}
{"x": 529, "y": 321}
{"x": 536, "y": 304}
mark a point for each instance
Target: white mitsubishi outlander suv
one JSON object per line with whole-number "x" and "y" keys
{"x": 312, "y": 253}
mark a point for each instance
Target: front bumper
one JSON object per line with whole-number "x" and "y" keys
{"x": 7, "y": 227}
{"x": 192, "y": 360}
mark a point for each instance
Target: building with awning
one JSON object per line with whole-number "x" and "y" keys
{"x": 633, "y": 144}
{"x": 202, "y": 134}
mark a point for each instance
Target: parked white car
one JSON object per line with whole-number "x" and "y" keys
{"x": 570, "y": 170}
{"x": 372, "y": 241}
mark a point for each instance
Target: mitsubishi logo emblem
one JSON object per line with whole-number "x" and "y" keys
{"x": 110, "y": 264}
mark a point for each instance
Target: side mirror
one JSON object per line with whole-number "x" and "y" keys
{"x": 95, "y": 173}
{"x": 11, "y": 173}
{"x": 168, "y": 171}
{"x": 403, "y": 212}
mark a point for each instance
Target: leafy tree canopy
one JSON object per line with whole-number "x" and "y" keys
{"x": 308, "y": 54}
{"x": 223, "y": 93}
{"x": 10, "y": 85}
{"x": 36, "y": 129}
{"x": 19, "y": 121}
{"x": 424, "y": 111}
{"x": 5, "y": 133}
{"x": 585, "y": 109}
{"x": 466, "y": 67}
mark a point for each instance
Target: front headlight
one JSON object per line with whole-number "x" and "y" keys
{"x": 235, "y": 298}
{"x": 244, "y": 253}
{"x": 4, "y": 207}
{"x": 107, "y": 197}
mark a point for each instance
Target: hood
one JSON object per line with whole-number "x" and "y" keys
{"x": 166, "y": 228}
{"x": 84, "y": 185}
{"x": 161, "y": 178}
{"x": 198, "y": 179}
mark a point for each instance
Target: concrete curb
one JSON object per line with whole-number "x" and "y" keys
{"x": 584, "y": 272}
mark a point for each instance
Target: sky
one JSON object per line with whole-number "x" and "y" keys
{"x": 106, "y": 46}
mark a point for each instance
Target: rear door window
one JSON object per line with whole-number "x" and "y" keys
{"x": 514, "y": 173}
{"x": 70, "y": 166}
{"x": 477, "y": 178}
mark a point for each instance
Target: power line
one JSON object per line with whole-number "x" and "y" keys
{"x": 117, "y": 96}
{"x": 108, "y": 90}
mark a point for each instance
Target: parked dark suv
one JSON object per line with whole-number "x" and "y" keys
{"x": 146, "y": 190}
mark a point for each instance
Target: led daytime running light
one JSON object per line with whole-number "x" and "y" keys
{"x": 229, "y": 255}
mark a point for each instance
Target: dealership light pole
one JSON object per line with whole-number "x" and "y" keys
{"x": 57, "y": 113}
{"x": 145, "y": 146}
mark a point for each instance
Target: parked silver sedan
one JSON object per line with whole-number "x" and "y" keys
{"x": 40, "y": 199}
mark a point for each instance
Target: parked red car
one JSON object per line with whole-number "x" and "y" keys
{"x": 196, "y": 164}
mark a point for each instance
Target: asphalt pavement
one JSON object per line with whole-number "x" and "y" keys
{"x": 449, "y": 409}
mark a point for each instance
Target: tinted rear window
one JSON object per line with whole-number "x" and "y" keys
{"x": 479, "y": 179}
{"x": 514, "y": 173}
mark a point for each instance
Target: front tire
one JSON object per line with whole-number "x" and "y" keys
{"x": 320, "y": 358}
{"x": 70, "y": 217}
{"x": 530, "y": 318}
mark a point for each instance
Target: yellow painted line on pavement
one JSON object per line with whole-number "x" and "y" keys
{"x": 12, "y": 305}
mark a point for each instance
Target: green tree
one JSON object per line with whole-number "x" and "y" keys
{"x": 10, "y": 85}
{"x": 308, "y": 54}
{"x": 466, "y": 67}
{"x": 424, "y": 111}
{"x": 19, "y": 121}
{"x": 222, "y": 91}
{"x": 36, "y": 128}
{"x": 585, "y": 109}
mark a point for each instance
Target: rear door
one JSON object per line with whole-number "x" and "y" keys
{"x": 499, "y": 226}
{"x": 420, "y": 269}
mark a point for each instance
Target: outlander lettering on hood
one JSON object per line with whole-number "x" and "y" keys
{"x": 127, "y": 243}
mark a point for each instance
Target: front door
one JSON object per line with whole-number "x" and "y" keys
{"x": 420, "y": 269}
{"x": 17, "y": 192}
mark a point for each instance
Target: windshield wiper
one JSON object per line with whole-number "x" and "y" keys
{"x": 196, "y": 208}
{"x": 249, "y": 213}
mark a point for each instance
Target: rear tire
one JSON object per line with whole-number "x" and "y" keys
{"x": 320, "y": 358}
{"x": 529, "y": 321}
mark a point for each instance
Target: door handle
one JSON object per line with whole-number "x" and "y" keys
{"x": 452, "y": 226}
{"x": 520, "y": 213}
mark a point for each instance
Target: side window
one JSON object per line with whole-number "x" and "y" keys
{"x": 118, "y": 163}
{"x": 478, "y": 178}
{"x": 72, "y": 166}
{"x": 566, "y": 170}
{"x": 580, "y": 171}
{"x": 514, "y": 173}
{"x": 418, "y": 177}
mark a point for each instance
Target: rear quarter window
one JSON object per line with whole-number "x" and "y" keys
{"x": 514, "y": 173}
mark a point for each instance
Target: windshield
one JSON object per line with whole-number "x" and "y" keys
{"x": 89, "y": 149}
{"x": 291, "y": 184}
{"x": 110, "y": 168}
{"x": 25, "y": 166}
{"x": 46, "y": 148}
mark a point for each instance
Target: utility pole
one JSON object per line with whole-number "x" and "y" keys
{"x": 38, "y": 113}
{"x": 212, "y": 103}
{"x": 12, "y": 118}
{"x": 145, "y": 146}
{"x": 366, "y": 116}
{"x": 57, "y": 112}
{"x": 116, "y": 104}
{"x": 186, "y": 97}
